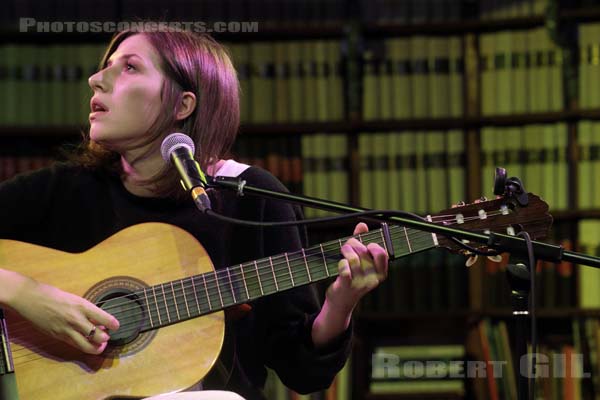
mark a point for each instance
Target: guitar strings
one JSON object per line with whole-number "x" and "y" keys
{"x": 293, "y": 262}
{"x": 213, "y": 280}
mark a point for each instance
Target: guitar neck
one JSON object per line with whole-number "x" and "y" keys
{"x": 175, "y": 301}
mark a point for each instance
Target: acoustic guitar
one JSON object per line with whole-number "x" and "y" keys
{"x": 161, "y": 285}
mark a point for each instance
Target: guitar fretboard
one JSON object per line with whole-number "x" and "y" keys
{"x": 179, "y": 300}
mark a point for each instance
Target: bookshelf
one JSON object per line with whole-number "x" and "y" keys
{"x": 355, "y": 32}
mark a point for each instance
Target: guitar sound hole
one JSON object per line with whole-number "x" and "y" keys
{"x": 127, "y": 308}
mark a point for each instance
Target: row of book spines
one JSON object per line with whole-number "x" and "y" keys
{"x": 429, "y": 281}
{"x": 521, "y": 71}
{"x": 413, "y": 171}
{"x": 567, "y": 364}
{"x": 282, "y": 82}
{"x": 266, "y": 11}
{"x": 290, "y": 81}
{"x": 588, "y": 141}
{"x": 589, "y": 65}
{"x": 537, "y": 154}
{"x": 416, "y": 77}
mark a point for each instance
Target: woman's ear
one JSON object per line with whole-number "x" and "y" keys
{"x": 186, "y": 106}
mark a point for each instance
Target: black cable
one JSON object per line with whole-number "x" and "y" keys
{"x": 532, "y": 270}
{"x": 379, "y": 213}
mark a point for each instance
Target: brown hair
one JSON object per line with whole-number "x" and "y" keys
{"x": 190, "y": 62}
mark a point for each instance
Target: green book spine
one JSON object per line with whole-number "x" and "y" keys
{"x": 420, "y": 76}
{"x": 262, "y": 82}
{"x": 595, "y": 164}
{"x": 385, "y": 86}
{"x": 58, "y": 85}
{"x": 456, "y": 73}
{"x": 548, "y": 163}
{"x": 399, "y": 50}
{"x": 488, "y": 147}
{"x": 518, "y": 81}
{"x": 455, "y": 146}
{"x": 487, "y": 44}
{"x": 281, "y": 83}
{"x": 393, "y": 170}
{"x": 380, "y": 170}
{"x": 365, "y": 176}
{"x": 321, "y": 187}
{"x": 308, "y": 171}
{"x": 562, "y": 167}
{"x": 309, "y": 65}
{"x": 338, "y": 177}
{"x": 335, "y": 91}
{"x": 439, "y": 77}
{"x": 420, "y": 184}
{"x": 407, "y": 164}
{"x": 584, "y": 166}
{"x": 589, "y": 278}
{"x": 321, "y": 80}
{"x": 370, "y": 85}
{"x": 594, "y": 66}
{"x": 532, "y": 176}
{"x": 296, "y": 82}
{"x": 436, "y": 167}
{"x": 584, "y": 65}
{"x": 503, "y": 70}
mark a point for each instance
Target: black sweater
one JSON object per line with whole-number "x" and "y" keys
{"x": 72, "y": 209}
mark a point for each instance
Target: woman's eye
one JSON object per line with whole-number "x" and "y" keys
{"x": 129, "y": 67}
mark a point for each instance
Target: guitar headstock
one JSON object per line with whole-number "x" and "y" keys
{"x": 502, "y": 215}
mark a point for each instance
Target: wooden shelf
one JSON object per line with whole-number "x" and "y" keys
{"x": 352, "y": 126}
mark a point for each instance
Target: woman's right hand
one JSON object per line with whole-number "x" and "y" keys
{"x": 63, "y": 315}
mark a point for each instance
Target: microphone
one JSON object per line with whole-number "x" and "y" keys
{"x": 178, "y": 149}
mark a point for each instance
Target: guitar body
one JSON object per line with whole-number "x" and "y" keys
{"x": 168, "y": 359}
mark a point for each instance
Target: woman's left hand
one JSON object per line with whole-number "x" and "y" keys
{"x": 361, "y": 270}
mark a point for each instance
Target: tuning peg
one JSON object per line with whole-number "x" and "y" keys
{"x": 497, "y": 258}
{"x": 471, "y": 260}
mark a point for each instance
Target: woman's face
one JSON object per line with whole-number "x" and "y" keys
{"x": 126, "y": 99}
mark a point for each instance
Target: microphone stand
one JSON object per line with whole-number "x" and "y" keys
{"x": 500, "y": 242}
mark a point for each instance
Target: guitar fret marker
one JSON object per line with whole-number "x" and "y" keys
{"x": 306, "y": 263}
{"x": 324, "y": 261}
{"x": 287, "y": 260}
{"x": 231, "y": 285}
{"x": 258, "y": 277}
{"x": 273, "y": 272}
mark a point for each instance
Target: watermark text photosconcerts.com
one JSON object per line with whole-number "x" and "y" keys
{"x": 390, "y": 366}
{"x": 32, "y": 25}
